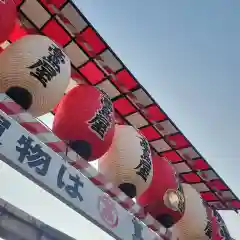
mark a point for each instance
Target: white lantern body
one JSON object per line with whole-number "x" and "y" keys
{"x": 128, "y": 161}
{"x": 194, "y": 223}
{"x": 37, "y": 64}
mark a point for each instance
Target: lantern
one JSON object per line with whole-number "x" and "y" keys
{"x": 34, "y": 72}
{"x": 218, "y": 226}
{"x": 8, "y": 17}
{"x": 164, "y": 199}
{"x": 222, "y": 229}
{"x": 195, "y": 223}
{"x": 128, "y": 162}
{"x": 85, "y": 118}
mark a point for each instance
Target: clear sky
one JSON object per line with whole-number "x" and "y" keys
{"x": 186, "y": 54}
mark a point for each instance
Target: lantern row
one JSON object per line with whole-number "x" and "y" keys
{"x": 45, "y": 135}
{"x": 44, "y": 167}
{"x": 99, "y": 61}
{"x": 38, "y": 98}
{"x": 208, "y": 223}
{"x": 88, "y": 127}
{"x": 110, "y": 73}
{"x": 94, "y": 120}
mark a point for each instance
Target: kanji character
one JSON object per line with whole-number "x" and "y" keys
{"x": 137, "y": 230}
{"x": 57, "y": 53}
{"x": 101, "y": 122}
{"x": 208, "y": 230}
{"x": 144, "y": 171}
{"x": 144, "y": 144}
{"x": 71, "y": 190}
{"x": 144, "y": 168}
{"x": 60, "y": 182}
{"x": 48, "y": 66}
{"x": 34, "y": 154}
{"x": 44, "y": 72}
{"x": 145, "y": 164}
{"x": 4, "y": 124}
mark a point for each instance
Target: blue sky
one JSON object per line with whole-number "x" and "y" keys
{"x": 185, "y": 53}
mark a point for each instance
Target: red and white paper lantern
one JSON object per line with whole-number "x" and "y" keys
{"x": 164, "y": 199}
{"x": 85, "y": 118}
{"x": 34, "y": 72}
{"x": 195, "y": 223}
{"x": 128, "y": 162}
{"x": 218, "y": 226}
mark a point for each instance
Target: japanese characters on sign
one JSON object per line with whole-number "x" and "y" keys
{"x": 39, "y": 160}
{"x": 47, "y": 67}
{"x": 73, "y": 189}
{"x": 33, "y": 154}
{"x": 4, "y": 125}
{"x": 138, "y": 228}
{"x": 145, "y": 165}
{"x": 102, "y": 120}
{"x": 43, "y": 166}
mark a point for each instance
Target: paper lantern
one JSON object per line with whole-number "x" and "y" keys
{"x": 128, "y": 162}
{"x": 164, "y": 199}
{"x": 222, "y": 229}
{"x": 35, "y": 73}
{"x": 85, "y": 118}
{"x": 219, "y": 228}
{"x": 195, "y": 223}
{"x": 8, "y": 17}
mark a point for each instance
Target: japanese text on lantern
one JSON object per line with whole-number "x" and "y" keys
{"x": 102, "y": 120}
{"x": 145, "y": 165}
{"x": 208, "y": 229}
{"x": 47, "y": 67}
{"x": 180, "y": 193}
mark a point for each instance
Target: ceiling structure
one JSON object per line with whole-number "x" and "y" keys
{"x": 94, "y": 62}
